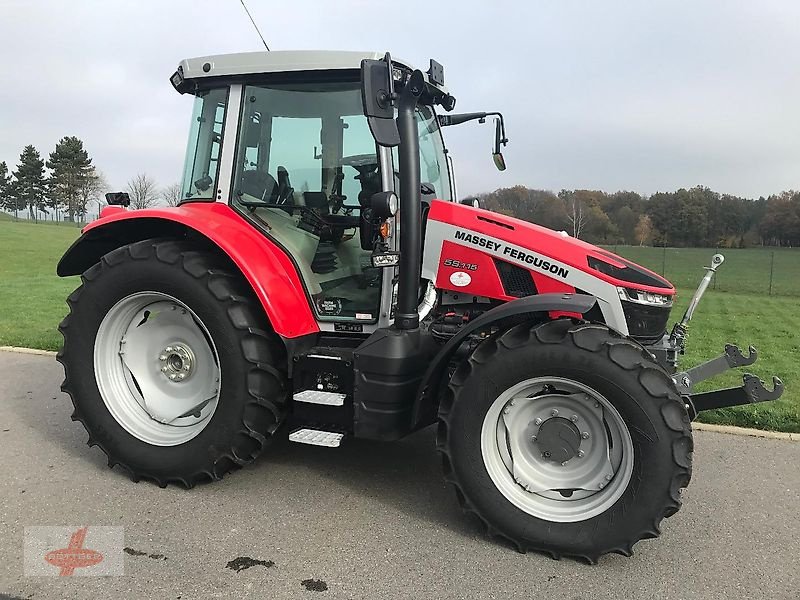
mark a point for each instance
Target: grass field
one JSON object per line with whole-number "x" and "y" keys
{"x": 745, "y": 271}
{"x": 31, "y": 295}
{"x": 32, "y": 304}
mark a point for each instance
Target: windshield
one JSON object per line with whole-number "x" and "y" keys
{"x": 432, "y": 161}
{"x": 201, "y": 170}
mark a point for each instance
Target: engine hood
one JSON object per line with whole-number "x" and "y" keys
{"x": 558, "y": 252}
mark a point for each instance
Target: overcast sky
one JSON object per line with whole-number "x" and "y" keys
{"x": 642, "y": 95}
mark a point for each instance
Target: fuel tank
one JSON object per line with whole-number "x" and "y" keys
{"x": 475, "y": 252}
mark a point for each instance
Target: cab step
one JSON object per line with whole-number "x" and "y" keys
{"x": 319, "y": 397}
{"x": 316, "y": 437}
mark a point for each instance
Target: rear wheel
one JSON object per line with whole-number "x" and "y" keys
{"x": 565, "y": 438}
{"x": 171, "y": 364}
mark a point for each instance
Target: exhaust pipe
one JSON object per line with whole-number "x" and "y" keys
{"x": 407, "y": 315}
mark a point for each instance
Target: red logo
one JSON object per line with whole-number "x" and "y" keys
{"x": 74, "y": 555}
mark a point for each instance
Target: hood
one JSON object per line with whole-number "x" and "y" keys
{"x": 557, "y": 245}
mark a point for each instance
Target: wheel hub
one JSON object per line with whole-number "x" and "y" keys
{"x": 558, "y": 439}
{"x": 557, "y": 449}
{"x": 177, "y": 362}
{"x": 157, "y": 368}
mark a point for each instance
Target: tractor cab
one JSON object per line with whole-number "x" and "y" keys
{"x": 284, "y": 139}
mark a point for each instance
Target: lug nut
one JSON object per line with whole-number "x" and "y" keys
{"x": 608, "y": 477}
{"x": 505, "y": 410}
{"x": 185, "y": 367}
{"x": 597, "y": 405}
{"x": 585, "y": 435}
{"x": 168, "y": 348}
{"x": 163, "y": 369}
{"x": 172, "y": 376}
{"x": 537, "y": 421}
{"x": 162, "y": 357}
{"x": 533, "y": 438}
{"x": 554, "y": 413}
{"x": 601, "y": 485}
{"x": 574, "y": 418}
{"x": 564, "y": 464}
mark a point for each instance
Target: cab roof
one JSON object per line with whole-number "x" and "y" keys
{"x": 278, "y": 61}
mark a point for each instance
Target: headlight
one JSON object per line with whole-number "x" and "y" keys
{"x": 641, "y": 297}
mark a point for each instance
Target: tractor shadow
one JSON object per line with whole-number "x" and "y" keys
{"x": 405, "y": 475}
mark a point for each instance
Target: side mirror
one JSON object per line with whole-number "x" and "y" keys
{"x": 377, "y": 91}
{"x": 499, "y": 139}
{"x": 473, "y": 202}
{"x": 118, "y": 199}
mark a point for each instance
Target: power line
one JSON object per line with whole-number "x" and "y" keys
{"x": 254, "y": 25}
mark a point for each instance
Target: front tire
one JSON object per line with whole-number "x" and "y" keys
{"x": 171, "y": 364}
{"x": 565, "y": 438}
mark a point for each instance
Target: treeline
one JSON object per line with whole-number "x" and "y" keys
{"x": 695, "y": 217}
{"x": 66, "y": 184}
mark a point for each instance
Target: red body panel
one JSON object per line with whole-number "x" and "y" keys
{"x": 564, "y": 248}
{"x": 266, "y": 266}
{"x": 484, "y": 278}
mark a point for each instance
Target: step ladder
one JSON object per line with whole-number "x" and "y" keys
{"x": 317, "y": 437}
{"x": 320, "y": 397}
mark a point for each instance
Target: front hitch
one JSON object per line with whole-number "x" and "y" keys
{"x": 752, "y": 389}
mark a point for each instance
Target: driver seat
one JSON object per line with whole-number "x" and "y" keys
{"x": 285, "y": 192}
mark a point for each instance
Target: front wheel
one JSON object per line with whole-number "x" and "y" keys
{"x": 565, "y": 438}
{"x": 171, "y": 364}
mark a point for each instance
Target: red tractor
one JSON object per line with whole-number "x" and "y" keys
{"x": 291, "y": 290}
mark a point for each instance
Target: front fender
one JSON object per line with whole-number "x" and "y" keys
{"x": 542, "y": 304}
{"x": 267, "y": 268}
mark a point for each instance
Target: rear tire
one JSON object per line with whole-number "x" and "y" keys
{"x": 232, "y": 344}
{"x": 638, "y": 407}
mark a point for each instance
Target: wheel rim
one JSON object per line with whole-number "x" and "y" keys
{"x": 157, "y": 368}
{"x": 535, "y": 424}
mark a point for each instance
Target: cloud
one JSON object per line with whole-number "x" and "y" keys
{"x": 619, "y": 94}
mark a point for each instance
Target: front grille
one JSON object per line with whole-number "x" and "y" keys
{"x": 517, "y": 282}
{"x": 646, "y": 323}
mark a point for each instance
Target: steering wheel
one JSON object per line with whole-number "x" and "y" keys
{"x": 365, "y": 164}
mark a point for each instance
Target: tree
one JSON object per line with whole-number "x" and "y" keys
{"x": 172, "y": 194}
{"x": 28, "y": 187}
{"x": 91, "y": 189}
{"x": 71, "y": 167}
{"x": 584, "y": 206}
{"x": 644, "y": 230}
{"x": 142, "y": 191}
{"x": 5, "y": 180}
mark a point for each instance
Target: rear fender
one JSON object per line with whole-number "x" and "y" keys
{"x": 532, "y": 307}
{"x": 266, "y": 266}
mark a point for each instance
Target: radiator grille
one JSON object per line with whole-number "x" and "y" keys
{"x": 517, "y": 281}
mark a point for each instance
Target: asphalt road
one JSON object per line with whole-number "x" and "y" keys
{"x": 368, "y": 520}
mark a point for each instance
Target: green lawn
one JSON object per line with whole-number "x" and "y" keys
{"x": 31, "y": 295}
{"x": 744, "y": 270}
{"x": 32, "y": 304}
